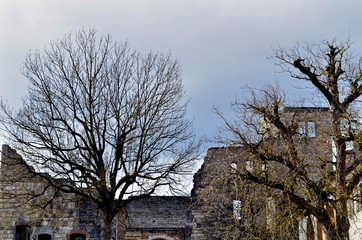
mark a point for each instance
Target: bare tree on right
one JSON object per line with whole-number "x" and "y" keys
{"x": 309, "y": 156}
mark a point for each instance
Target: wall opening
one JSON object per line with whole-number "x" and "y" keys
{"x": 44, "y": 237}
{"x": 77, "y": 236}
{"x": 22, "y": 232}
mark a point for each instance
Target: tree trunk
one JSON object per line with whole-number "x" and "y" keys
{"x": 342, "y": 221}
{"x": 107, "y": 226}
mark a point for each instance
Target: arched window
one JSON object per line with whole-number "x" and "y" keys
{"x": 77, "y": 236}
{"x": 22, "y": 232}
{"x": 44, "y": 233}
{"x": 44, "y": 237}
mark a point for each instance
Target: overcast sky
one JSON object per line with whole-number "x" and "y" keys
{"x": 221, "y": 44}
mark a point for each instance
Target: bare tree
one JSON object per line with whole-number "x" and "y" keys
{"x": 319, "y": 174}
{"x": 104, "y": 117}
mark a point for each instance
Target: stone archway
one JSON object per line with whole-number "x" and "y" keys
{"x": 77, "y": 234}
{"x": 44, "y": 233}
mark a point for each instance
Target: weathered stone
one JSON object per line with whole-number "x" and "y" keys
{"x": 157, "y": 218}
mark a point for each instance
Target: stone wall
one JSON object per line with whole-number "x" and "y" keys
{"x": 212, "y": 201}
{"x": 212, "y": 205}
{"x": 17, "y": 187}
{"x": 167, "y": 218}
{"x": 159, "y": 217}
{"x": 60, "y": 217}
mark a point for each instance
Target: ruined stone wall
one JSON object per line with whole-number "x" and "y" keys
{"x": 60, "y": 217}
{"x": 18, "y": 186}
{"x": 314, "y": 148}
{"x": 167, "y": 217}
{"x": 209, "y": 188}
{"x": 155, "y": 218}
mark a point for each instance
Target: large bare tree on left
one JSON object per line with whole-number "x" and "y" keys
{"x": 106, "y": 118}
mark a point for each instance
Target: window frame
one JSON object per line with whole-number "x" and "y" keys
{"x": 307, "y": 129}
{"x": 237, "y": 209}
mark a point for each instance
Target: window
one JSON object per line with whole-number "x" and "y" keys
{"x": 264, "y": 168}
{"x": 234, "y": 167}
{"x": 237, "y": 209}
{"x": 311, "y": 129}
{"x": 22, "y": 232}
{"x": 43, "y": 233}
{"x": 307, "y": 129}
{"x": 334, "y": 155}
{"x": 77, "y": 234}
{"x": 249, "y": 166}
{"x": 349, "y": 145}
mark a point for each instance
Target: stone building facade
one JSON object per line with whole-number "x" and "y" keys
{"x": 22, "y": 217}
{"x": 208, "y": 224}
{"x": 211, "y": 212}
{"x": 70, "y": 218}
{"x": 220, "y": 197}
{"x": 66, "y": 217}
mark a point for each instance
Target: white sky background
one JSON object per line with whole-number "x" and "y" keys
{"x": 221, "y": 44}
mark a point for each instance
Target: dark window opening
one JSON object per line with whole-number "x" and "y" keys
{"x": 44, "y": 237}
{"x": 22, "y": 232}
{"x": 77, "y": 236}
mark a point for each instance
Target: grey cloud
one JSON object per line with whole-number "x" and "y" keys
{"x": 221, "y": 45}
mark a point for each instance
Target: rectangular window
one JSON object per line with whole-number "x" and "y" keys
{"x": 311, "y": 129}
{"x": 237, "y": 209}
{"x": 349, "y": 145}
{"x": 302, "y": 130}
{"x": 264, "y": 168}
{"x": 307, "y": 129}
{"x": 249, "y": 166}
{"x": 234, "y": 167}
